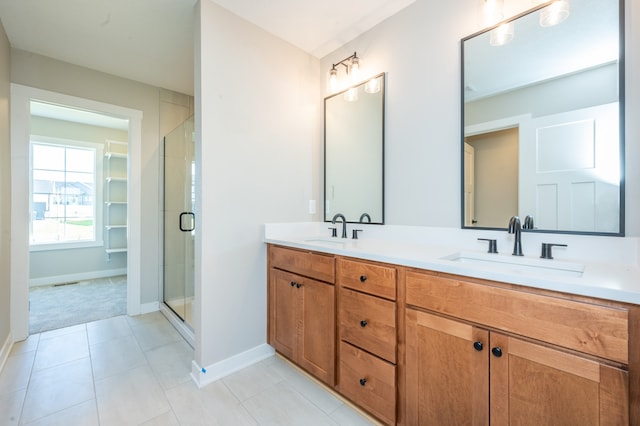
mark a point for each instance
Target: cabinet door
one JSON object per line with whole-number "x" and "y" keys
{"x": 283, "y": 312}
{"x": 537, "y": 385}
{"x": 447, "y": 378}
{"x": 317, "y": 338}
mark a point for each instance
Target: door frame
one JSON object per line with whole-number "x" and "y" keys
{"x": 21, "y": 97}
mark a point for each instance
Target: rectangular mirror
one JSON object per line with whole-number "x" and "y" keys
{"x": 543, "y": 120}
{"x": 354, "y": 153}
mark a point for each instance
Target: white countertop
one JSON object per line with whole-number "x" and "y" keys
{"x": 610, "y": 264}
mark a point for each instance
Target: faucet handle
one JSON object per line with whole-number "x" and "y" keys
{"x": 493, "y": 244}
{"x": 546, "y": 250}
{"x": 334, "y": 231}
{"x": 354, "y": 233}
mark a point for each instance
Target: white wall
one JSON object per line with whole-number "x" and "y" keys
{"x": 5, "y": 191}
{"x": 419, "y": 48}
{"x": 258, "y": 138}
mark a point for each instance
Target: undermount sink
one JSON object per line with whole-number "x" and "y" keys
{"x": 328, "y": 241}
{"x": 517, "y": 265}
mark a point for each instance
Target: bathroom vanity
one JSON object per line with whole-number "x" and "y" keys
{"x": 413, "y": 337}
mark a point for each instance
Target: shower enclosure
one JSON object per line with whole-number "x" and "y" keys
{"x": 179, "y": 221}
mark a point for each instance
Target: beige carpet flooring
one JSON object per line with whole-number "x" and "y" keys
{"x": 58, "y": 306}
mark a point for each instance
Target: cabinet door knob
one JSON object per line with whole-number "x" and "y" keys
{"x": 363, "y": 381}
{"x": 478, "y": 346}
{"x": 363, "y": 278}
{"x": 363, "y": 323}
{"x": 497, "y": 352}
{"x": 293, "y": 283}
{"x": 298, "y": 285}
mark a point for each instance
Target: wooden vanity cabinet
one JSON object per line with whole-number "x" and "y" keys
{"x": 468, "y": 372}
{"x": 302, "y": 310}
{"x": 367, "y": 349}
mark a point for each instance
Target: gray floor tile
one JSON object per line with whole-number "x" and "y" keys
{"x": 214, "y": 404}
{"x": 84, "y": 414}
{"x": 130, "y": 398}
{"x": 56, "y": 388}
{"x": 282, "y": 405}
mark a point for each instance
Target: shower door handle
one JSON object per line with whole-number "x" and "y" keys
{"x": 190, "y": 221}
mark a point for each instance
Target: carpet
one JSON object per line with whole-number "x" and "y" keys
{"x": 58, "y": 306}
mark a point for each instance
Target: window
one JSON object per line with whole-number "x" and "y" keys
{"x": 65, "y": 194}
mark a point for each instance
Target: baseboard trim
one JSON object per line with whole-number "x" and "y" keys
{"x": 204, "y": 376}
{"x": 5, "y": 351}
{"x": 147, "y": 308}
{"x": 68, "y": 278}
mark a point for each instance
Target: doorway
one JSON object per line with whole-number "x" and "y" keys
{"x": 179, "y": 221}
{"x": 21, "y": 207}
{"x": 78, "y": 162}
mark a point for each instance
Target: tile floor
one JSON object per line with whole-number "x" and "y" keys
{"x": 135, "y": 371}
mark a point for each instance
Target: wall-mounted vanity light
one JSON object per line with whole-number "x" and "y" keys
{"x": 352, "y": 69}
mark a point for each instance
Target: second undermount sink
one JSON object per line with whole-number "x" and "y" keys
{"x": 517, "y": 264}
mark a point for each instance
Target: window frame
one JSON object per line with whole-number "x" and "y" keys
{"x": 98, "y": 240}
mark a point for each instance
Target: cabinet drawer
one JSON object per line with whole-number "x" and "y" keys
{"x": 368, "y": 278}
{"x": 368, "y": 322}
{"x": 313, "y": 265}
{"x": 368, "y": 381}
{"x": 594, "y": 329}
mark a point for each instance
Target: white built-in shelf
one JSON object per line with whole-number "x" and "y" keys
{"x": 110, "y": 155}
{"x": 116, "y": 179}
{"x": 116, "y": 250}
{"x": 116, "y": 161}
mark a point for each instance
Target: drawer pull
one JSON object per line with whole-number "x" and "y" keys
{"x": 363, "y": 381}
{"x": 363, "y": 278}
{"x": 363, "y": 323}
{"x": 497, "y": 352}
{"x": 478, "y": 346}
{"x": 293, "y": 283}
{"x": 298, "y": 285}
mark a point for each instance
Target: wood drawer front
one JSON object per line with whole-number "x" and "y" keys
{"x": 368, "y": 278}
{"x": 598, "y": 330}
{"x": 314, "y": 265}
{"x": 377, "y": 334}
{"x": 368, "y": 381}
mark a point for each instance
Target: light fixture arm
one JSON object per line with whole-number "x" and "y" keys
{"x": 342, "y": 62}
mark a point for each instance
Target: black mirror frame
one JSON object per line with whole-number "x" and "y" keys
{"x": 621, "y": 102}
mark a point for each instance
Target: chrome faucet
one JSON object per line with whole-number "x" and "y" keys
{"x": 515, "y": 228}
{"x": 344, "y": 223}
{"x": 364, "y": 216}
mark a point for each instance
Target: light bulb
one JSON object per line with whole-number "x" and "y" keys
{"x": 555, "y": 13}
{"x": 493, "y": 11}
{"x": 354, "y": 69}
{"x": 333, "y": 80}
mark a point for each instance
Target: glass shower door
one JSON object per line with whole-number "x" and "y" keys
{"x": 179, "y": 220}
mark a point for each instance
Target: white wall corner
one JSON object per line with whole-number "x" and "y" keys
{"x": 5, "y": 351}
{"x": 204, "y": 376}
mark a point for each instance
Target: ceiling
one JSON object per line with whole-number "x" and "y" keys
{"x": 151, "y": 41}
